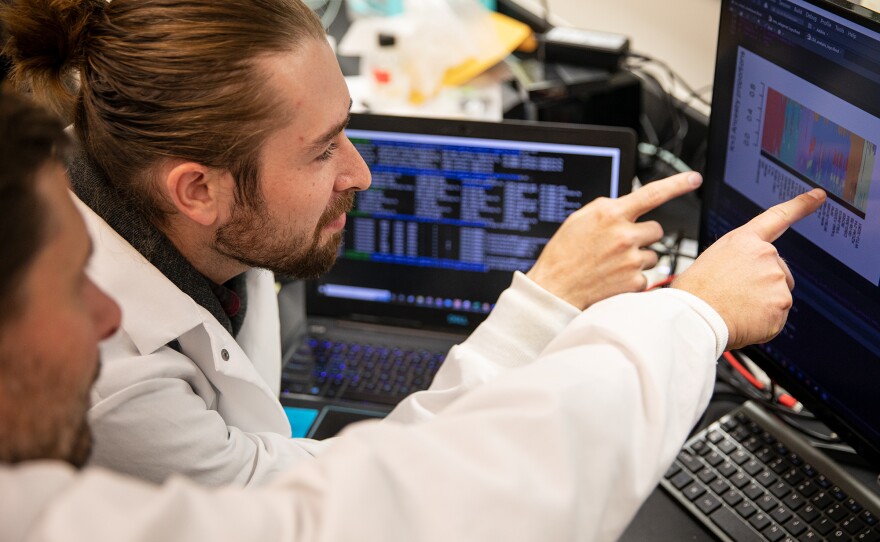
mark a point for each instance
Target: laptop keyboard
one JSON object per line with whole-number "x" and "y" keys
{"x": 745, "y": 481}
{"x": 358, "y": 372}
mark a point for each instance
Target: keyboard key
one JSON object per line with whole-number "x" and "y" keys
{"x": 681, "y": 479}
{"x": 733, "y": 526}
{"x": 868, "y": 535}
{"x": 753, "y": 491}
{"x": 740, "y": 456}
{"x": 672, "y": 470}
{"x": 853, "y": 505}
{"x": 714, "y": 436}
{"x": 767, "y": 503}
{"x": 822, "y": 500}
{"x": 713, "y": 458}
{"x": 781, "y": 514}
{"x": 809, "y": 513}
{"x": 690, "y": 461}
{"x": 780, "y": 489}
{"x": 760, "y": 520}
{"x": 719, "y": 486}
{"x": 740, "y": 434}
{"x": 753, "y": 467}
{"x": 773, "y": 533}
{"x": 793, "y": 477}
{"x": 823, "y": 482}
{"x": 823, "y": 525}
{"x": 853, "y": 525}
{"x": 708, "y": 503}
{"x": 765, "y": 454}
{"x": 746, "y": 509}
{"x": 766, "y": 478}
{"x": 796, "y": 526}
{"x": 837, "y": 512}
{"x": 707, "y": 475}
{"x": 732, "y": 497}
{"x": 778, "y": 465}
{"x": 726, "y": 469}
{"x": 808, "y": 470}
{"x": 838, "y": 534}
{"x": 807, "y": 489}
{"x": 809, "y": 536}
{"x": 693, "y": 491}
{"x": 752, "y": 444}
{"x": 794, "y": 501}
{"x": 726, "y": 446}
{"x": 837, "y": 493}
{"x": 740, "y": 480}
{"x": 868, "y": 518}
{"x": 700, "y": 447}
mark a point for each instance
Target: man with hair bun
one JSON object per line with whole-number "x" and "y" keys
{"x": 545, "y": 467}
{"x": 213, "y": 155}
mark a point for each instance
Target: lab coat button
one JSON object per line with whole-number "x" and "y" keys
{"x": 224, "y": 354}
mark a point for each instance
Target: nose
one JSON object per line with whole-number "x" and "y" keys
{"x": 356, "y": 175}
{"x": 106, "y": 315}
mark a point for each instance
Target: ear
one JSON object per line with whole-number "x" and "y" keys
{"x": 198, "y": 192}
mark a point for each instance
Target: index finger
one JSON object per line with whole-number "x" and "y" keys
{"x": 657, "y": 193}
{"x": 773, "y": 222}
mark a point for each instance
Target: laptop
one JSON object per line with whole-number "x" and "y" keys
{"x": 455, "y": 208}
{"x": 796, "y": 105}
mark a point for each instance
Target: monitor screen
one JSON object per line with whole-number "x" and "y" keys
{"x": 456, "y": 207}
{"x": 796, "y": 105}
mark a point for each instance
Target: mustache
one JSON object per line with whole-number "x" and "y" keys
{"x": 342, "y": 204}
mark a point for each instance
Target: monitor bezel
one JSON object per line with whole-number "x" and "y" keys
{"x": 866, "y": 448}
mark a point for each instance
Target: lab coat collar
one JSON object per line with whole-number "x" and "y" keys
{"x": 165, "y": 313}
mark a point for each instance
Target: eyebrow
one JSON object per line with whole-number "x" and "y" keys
{"x": 328, "y": 136}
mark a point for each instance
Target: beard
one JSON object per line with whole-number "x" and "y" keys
{"x": 58, "y": 430}
{"x": 251, "y": 238}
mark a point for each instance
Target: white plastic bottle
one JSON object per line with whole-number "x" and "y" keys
{"x": 386, "y": 71}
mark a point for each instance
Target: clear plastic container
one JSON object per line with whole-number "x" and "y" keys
{"x": 386, "y": 71}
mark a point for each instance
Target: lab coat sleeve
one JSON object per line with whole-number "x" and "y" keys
{"x": 524, "y": 320}
{"x": 565, "y": 448}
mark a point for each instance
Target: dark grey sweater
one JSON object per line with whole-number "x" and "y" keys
{"x": 93, "y": 188}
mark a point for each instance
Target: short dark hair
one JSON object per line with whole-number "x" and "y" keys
{"x": 30, "y": 138}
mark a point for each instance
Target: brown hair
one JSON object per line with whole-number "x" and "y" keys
{"x": 29, "y": 139}
{"x": 145, "y": 80}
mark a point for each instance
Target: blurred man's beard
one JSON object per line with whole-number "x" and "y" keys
{"x": 54, "y": 429}
{"x": 250, "y": 238}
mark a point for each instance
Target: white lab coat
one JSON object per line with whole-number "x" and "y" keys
{"x": 565, "y": 448}
{"x": 211, "y": 412}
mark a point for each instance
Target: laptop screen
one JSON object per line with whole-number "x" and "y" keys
{"x": 455, "y": 207}
{"x": 796, "y": 105}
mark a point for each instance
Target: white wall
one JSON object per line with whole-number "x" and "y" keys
{"x": 682, "y": 33}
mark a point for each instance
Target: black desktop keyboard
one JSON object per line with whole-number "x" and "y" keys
{"x": 358, "y": 372}
{"x": 748, "y": 477}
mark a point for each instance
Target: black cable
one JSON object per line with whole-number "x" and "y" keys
{"x": 672, "y": 75}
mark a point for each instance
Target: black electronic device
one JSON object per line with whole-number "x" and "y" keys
{"x": 795, "y": 106}
{"x": 455, "y": 208}
{"x": 581, "y": 47}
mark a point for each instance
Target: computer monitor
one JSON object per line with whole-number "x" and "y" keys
{"x": 796, "y": 105}
{"x": 455, "y": 208}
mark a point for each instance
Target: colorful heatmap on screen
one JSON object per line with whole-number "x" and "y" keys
{"x": 818, "y": 151}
